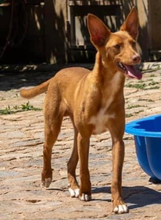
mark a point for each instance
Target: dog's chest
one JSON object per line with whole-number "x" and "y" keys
{"x": 100, "y": 119}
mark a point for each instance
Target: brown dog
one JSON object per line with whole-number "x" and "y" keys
{"x": 94, "y": 101}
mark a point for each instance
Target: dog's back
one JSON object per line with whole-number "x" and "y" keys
{"x": 70, "y": 76}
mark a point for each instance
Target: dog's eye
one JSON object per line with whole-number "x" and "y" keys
{"x": 133, "y": 43}
{"x": 117, "y": 46}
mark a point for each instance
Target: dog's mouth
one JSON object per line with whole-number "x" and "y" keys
{"x": 129, "y": 70}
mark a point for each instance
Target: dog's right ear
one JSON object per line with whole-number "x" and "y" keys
{"x": 98, "y": 31}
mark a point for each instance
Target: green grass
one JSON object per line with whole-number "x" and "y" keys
{"x": 24, "y": 107}
{"x": 134, "y": 106}
{"x": 152, "y": 75}
{"x": 153, "y": 83}
{"x": 2, "y": 99}
{"x": 136, "y": 86}
{"x": 6, "y": 111}
{"x": 153, "y": 87}
{"x": 128, "y": 115}
{"x": 27, "y": 107}
{"x": 146, "y": 100}
{"x": 144, "y": 86}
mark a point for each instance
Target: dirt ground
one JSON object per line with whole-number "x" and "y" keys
{"x": 21, "y": 141}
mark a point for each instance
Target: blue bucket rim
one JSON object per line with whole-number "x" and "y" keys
{"x": 130, "y": 127}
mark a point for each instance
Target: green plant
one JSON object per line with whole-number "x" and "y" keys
{"x": 134, "y": 106}
{"x": 6, "y": 111}
{"x": 146, "y": 100}
{"x": 144, "y": 86}
{"x": 153, "y": 83}
{"x": 129, "y": 115}
{"x": 16, "y": 108}
{"x": 137, "y": 86}
{"x": 153, "y": 87}
{"x": 152, "y": 75}
{"x": 27, "y": 107}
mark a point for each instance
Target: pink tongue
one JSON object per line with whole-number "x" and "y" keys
{"x": 133, "y": 72}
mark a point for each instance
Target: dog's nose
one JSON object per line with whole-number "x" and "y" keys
{"x": 136, "y": 58}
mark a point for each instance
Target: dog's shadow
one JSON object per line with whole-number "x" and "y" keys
{"x": 135, "y": 197}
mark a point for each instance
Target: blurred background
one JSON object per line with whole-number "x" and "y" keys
{"x": 55, "y": 31}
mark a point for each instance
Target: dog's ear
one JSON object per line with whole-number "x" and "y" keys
{"x": 131, "y": 24}
{"x": 98, "y": 31}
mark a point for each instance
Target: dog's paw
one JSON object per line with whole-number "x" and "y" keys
{"x": 85, "y": 197}
{"x": 46, "y": 183}
{"x": 120, "y": 209}
{"x": 74, "y": 192}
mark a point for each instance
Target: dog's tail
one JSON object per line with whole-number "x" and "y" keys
{"x": 30, "y": 93}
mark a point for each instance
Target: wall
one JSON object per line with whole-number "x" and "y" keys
{"x": 55, "y": 13}
{"x": 22, "y": 32}
{"x": 155, "y": 24}
{"x": 155, "y": 29}
{"x": 143, "y": 13}
{"x": 50, "y": 33}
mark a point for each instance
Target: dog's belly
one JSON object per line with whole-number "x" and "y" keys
{"x": 100, "y": 122}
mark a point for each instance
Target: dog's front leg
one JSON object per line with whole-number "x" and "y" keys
{"x": 118, "y": 157}
{"x": 83, "y": 153}
{"x": 117, "y": 132}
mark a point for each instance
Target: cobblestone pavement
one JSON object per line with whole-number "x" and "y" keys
{"x": 21, "y": 141}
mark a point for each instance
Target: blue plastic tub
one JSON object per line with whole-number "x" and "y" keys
{"x": 147, "y": 136}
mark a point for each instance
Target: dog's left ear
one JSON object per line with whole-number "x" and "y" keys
{"x": 131, "y": 24}
{"x": 98, "y": 31}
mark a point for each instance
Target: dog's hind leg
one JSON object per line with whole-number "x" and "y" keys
{"x": 51, "y": 134}
{"x": 53, "y": 120}
{"x": 71, "y": 167}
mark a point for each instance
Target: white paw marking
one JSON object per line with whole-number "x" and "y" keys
{"x": 74, "y": 193}
{"x": 121, "y": 209}
{"x": 85, "y": 197}
{"x": 47, "y": 182}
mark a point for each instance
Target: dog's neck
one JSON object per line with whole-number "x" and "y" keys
{"x": 106, "y": 71}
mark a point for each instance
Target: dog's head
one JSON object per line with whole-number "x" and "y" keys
{"x": 119, "y": 48}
